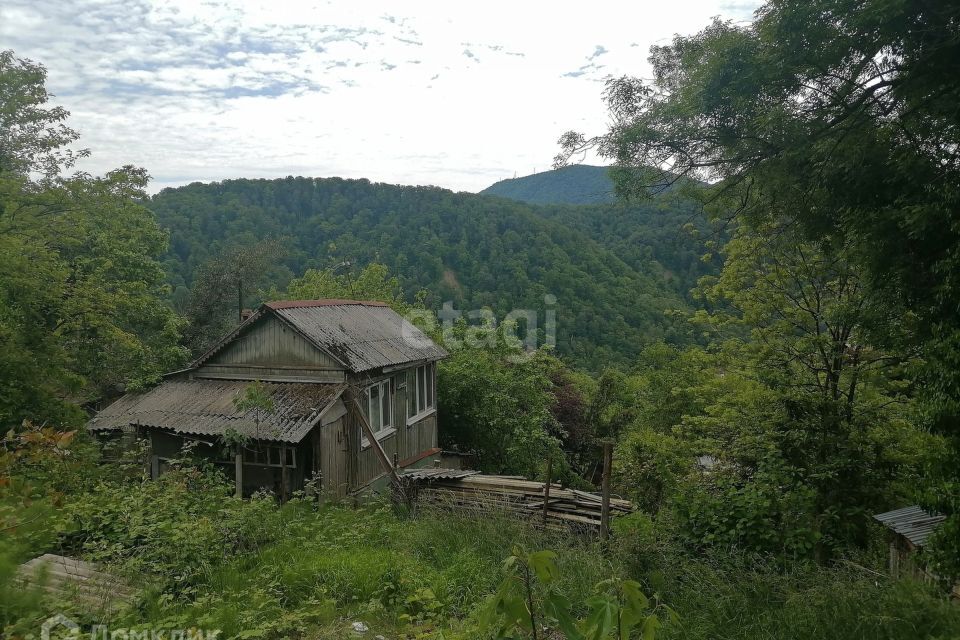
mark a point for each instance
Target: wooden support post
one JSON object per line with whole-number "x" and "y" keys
{"x": 546, "y": 489}
{"x": 154, "y": 467}
{"x": 283, "y": 473}
{"x": 238, "y": 471}
{"x": 396, "y": 460}
{"x": 605, "y": 488}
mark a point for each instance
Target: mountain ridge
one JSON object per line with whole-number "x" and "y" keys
{"x": 573, "y": 184}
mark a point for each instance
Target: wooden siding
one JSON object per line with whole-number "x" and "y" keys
{"x": 347, "y": 465}
{"x": 405, "y": 442}
{"x": 268, "y": 374}
{"x": 334, "y": 443}
{"x": 270, "y": 350}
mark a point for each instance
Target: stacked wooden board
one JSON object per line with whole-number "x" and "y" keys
{"x": 78, "y": 582}
{"x": 525, "y": 498}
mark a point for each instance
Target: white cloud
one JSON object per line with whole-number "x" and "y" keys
{"x": 453, "y": 94}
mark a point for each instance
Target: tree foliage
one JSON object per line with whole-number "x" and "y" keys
{"x": 839, "y": 117}
{"x": 81, "y": 292}
{"x": 224, "y": 286}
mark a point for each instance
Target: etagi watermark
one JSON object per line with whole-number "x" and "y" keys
{"x": 60, "y": 626}
{"x": 520, "y": 329}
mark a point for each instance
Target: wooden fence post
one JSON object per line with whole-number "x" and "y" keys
{"x": 546, "y": 489}
{"x": 238, "y": 471}
{"x": 283, "y": 473}
{"x": 605, "y": 488}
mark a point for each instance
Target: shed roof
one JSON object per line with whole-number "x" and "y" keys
{"x": 912, "y": 522}
{"x": 206, "y": 407}
{"x": 361, "y": 335}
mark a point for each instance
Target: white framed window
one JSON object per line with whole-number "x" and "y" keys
{"x": 421, "y": 392}
{"x": 380, "y": 406}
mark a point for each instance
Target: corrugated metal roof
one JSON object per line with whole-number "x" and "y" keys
{"x": 361, "y": 335}
{"x": 206, "y": 407}
{"x": 911, "y": 522}
{"x": 416, "y": 475}
{"x": 325, "y": 302}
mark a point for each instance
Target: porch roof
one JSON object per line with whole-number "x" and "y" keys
{"x": 206, "y": 407}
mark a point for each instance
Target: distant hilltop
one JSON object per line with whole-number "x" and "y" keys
{"x": 575, "y": 184}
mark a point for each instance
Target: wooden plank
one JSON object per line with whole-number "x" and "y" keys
{"x": 74, "y": 577}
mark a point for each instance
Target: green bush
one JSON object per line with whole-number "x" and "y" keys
{"x": 176, "y": 528}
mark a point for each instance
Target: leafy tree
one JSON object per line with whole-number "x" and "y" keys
{"x": 840, "y": 116}
{"x": 222, "y": 288}
{"x": 829, "y": 403}
{"x": 81, "y": 292}
{"x": 373, "y": 282}
{"x": 497, "y": 406}
{"x": 34, "y": 138}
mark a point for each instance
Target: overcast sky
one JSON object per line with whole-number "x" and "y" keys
{"x": 451, "y": 93}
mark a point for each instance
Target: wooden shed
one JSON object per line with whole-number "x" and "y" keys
{"x": 910, "y": 528}
{"x": 326, "y": 366}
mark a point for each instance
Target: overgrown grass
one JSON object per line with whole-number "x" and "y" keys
{"x": 738, "y": 599}
{"x": 257, "y": 570}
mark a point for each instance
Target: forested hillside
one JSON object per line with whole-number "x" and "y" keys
{"x": 576, "y": 184}
{"x": 612, "y": 269}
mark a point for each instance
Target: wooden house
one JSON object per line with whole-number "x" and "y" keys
{"x": 334, "y": 371}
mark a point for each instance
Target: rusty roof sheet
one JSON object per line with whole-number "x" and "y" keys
{"x": 362, "y": 336}
{"x": 206, "y": 407}
{"x": 911, "y": 522}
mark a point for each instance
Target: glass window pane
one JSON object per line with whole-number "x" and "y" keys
{"x": 411, "y": 394}
{"x": 290, "y": 452}
{"x": 421, "y": 389}
{"x": 375, "y": 407}
{"x": 430, "y": 385}
{"x": 385, "y": 397}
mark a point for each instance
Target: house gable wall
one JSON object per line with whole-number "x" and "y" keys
{"x": 271, "y": 350}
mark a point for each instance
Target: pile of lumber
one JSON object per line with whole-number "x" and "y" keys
{"x": 78, "y": 582}
{"x": 524, "y": 498}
